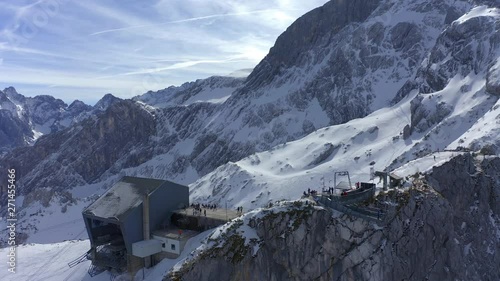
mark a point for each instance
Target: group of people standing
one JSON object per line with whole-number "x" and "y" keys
{"x": 198, "y": 209}
{"x": 329, "y": 190}
{"x": 310, "y": 192}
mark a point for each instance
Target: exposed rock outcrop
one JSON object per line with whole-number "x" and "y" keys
{"x": 493, "y": 78}
{"x": 425, "y": 113}
{"x": 326, "y": 152}
{"x": 13, "y": 132}
{"x": 468, "y": 47}
{"x": 24, "y": 119}
{"x": 306, "y": 33}
{"x": 80, "y": 154}
{"x": 447, "y": 227}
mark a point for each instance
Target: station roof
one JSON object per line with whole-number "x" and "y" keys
{"x": 125, "y": 195}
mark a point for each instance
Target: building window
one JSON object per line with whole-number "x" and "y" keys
{"x": 163, "y": 245}
{"x": 172, "y": 247}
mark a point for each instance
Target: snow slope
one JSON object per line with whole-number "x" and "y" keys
{"x": 57, "y": 221}
{"x": 215, "y": 89}
{"x": 425, "y": 164}
{"x": 486, "y": 131}
{"x": 285, "y": 171}
{"x": 49, "y": 262}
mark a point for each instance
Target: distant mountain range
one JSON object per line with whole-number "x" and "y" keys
{"x": 23, "y": 120}
{"x": 352, "y": 85}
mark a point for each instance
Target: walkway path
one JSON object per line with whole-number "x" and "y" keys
{"x": 219, "y": 213}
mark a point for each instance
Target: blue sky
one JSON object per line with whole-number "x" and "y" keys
{"x": 84, "y": 49}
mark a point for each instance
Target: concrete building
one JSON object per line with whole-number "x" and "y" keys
{"x": 390, "y": 180}
{"x": 172, "y": 242}
{"x": 120, "y": 222}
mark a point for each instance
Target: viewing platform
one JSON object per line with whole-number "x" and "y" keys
{"x": 193, "y": 219}
{"x": 348, "y": 202}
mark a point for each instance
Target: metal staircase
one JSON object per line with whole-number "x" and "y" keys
{"x": 80, "y": 259}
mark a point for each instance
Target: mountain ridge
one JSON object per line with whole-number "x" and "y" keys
{"x": 26, "y": 119}
{"x": 356, "y": 73}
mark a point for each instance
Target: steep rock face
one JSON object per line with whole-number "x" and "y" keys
{"x": 469, "y": 47}
{"x": 334, "y": 69}
{"x": 493, "y": 79}
{"x": 470, "y": 43}
{"x": 306, "y": 34}
{"x": 446, "y": 228}
{"x": 28, "y": 118}
{"x": 426, "y": 113}
{"x": 81, "y": 153}
{"x": 44, "y": 107}
{"x": 13, "y": 132}
{"x": 348, "y": 70}
{"x": 453, "y": 232}
{"x": 106, "y": 102}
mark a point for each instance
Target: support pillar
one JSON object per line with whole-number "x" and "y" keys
{"x": 146, "y": 230}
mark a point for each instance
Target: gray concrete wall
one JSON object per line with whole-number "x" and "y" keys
{"x": 161, "y": 202}
{"x": 157, "y": 258}
{"x": 88, "y": 228}
{"x": 205, "y": 223}
{"x": 197, "y": 223}
{"x": 164, "y": 200}
{"x": 134, "y": 264}
{"x": 132, "y": 227}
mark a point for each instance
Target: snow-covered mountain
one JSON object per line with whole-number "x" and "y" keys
{"x": 368, "y": 58}
{"x": 351, "y": 85}
{"x": 23, "y": 120}
{"x": 343, "y": 67}
{"x": 456, "y": 111}
{"x": 215, "y": 89}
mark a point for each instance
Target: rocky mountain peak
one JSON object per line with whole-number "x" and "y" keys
{"x": 105, "y": 102}
{"x": 13, "y": 94}
{"x": 31, "y": 117}
{"x": 78, "y": 104}
{"x": 307, "y": 32}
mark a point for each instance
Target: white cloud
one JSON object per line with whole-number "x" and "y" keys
{"x": 94, "y": 47}
{"x": 277, "y": 13}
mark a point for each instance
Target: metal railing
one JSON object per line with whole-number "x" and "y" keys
{"x": 347, "y": 207}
